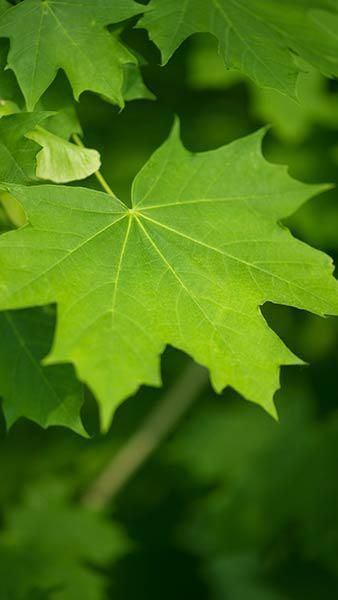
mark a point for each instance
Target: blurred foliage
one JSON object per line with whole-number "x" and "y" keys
{"x": 234, "y": 506}
{"x": 52, "y": 549}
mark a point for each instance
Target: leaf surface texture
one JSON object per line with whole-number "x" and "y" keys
{"x": 189, "y": 265}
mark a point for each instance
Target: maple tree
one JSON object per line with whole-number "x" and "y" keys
{"x": 191, "y": 251}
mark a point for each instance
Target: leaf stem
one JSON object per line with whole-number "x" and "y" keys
{"x": 105, "y": 186}
{"x": 143, "y": 442}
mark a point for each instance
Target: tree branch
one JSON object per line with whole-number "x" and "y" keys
{"x": 103, "y": 183}
{"x": 155, "y": 428}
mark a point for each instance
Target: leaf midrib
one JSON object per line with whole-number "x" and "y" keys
{"x": 233, "y": 257}
{"x": 68, "y": 254}
{"x": 139, "y": 215}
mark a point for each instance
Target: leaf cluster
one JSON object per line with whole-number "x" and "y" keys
{"x": 130, "y": 237}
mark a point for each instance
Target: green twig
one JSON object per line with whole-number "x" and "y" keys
{"x": 142, "y": 443}
{"x": 105, "y": 186}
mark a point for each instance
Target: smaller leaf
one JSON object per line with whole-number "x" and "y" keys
{"x": 72, "y": 36}
{"x": 257, "y": 37}
{"x": 46, "y": 395}
{"x": 61, "y": 161}
{"x": 17, "y": 154}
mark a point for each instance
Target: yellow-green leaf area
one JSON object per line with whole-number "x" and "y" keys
{"x": 190, "y": 265}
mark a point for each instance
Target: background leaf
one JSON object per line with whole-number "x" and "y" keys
{"x": 47, "y": 36}
{"x": 47, "y": 395}
{"x": 256, "y": 37}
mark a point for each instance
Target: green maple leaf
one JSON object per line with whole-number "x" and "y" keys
{"x": 47, "y": 35}
{"x": 53, "y": 395}
{"x": 291, "y": 119}
{"x": 257, "y": 37}
{"x": 189, "y": 265}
